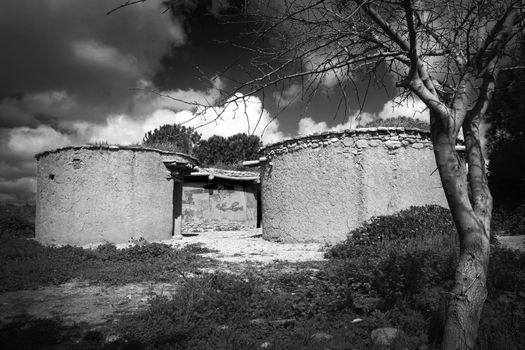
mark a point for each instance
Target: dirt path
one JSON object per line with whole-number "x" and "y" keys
{"x": 248, "y": 246}
{"x": 79, "y": 302}
{"x": 96, "y": 305}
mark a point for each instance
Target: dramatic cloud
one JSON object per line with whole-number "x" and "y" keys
{"x": 105, "y": 56}
{"x": 391, "y": 109}
{"x": 67, "y": 63}
{"x": 26, "y": 142}
{"x": 72, "y": 47}
{"x": 239, "y": 114}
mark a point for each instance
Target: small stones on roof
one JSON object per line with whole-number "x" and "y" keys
{"x": 390, "y": 137}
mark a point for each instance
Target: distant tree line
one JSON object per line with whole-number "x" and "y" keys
{"x": 173, "y": 138}
{"x": 217, "y": 151}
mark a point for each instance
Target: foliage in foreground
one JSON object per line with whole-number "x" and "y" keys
{"x": 508, "y": 222}
{"x": 391, "y": 272}
{"x": 26, "y": 264}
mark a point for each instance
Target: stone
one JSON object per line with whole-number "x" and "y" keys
{"x": 334, "y": 139}
{"x": 258, "y": 321}
{"x": 321, "y": 337}
{"x": 374, "y": 143}
{"x": 348, "y": 142}
{"x": 385, "y": 336}
{"x": 112, "y": 338}
{"x": 417, "y": 145}
{"x": 405, "y": 143}
{"x": 265, "y": 345}
{"x": 361, "y": 143}
{"x": 392, "y": 144}
{"x": 357, "y": 320}
{"x": 315, "y": 145}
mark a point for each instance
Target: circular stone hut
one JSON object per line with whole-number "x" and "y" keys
{"x": 96, "y": 194}
{"x": 319, "y": 187}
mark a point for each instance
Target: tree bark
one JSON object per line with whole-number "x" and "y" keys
{"x": 465, "y": 301}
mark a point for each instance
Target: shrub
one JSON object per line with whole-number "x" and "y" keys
{"x": 400, "y": 121}
{"x": 28, "y": 264}
{"x": 17, "y": 221}
{"x": 509, "y": 222}
{"x": 420, "y": 223}
{"x": 405, "y": 275}
{"x": 506, "y": 271}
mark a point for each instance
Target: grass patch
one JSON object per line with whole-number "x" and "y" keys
{"x": 26, "y": 264}
{"x": 390, "y": 273}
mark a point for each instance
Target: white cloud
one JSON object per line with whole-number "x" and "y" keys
{"x": 239, "y": 114}
{"x": 146, "y": 100}
{"x": 106, "y": 56}
{"x": 391, "y": 109}
{"x": 309, "y": 126}
{"x": 412, "y": 108}
{"x": 26, "y": 142}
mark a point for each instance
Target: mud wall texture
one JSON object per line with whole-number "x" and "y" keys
{"x": 92, "y": 194}
{"x": 220, "y": 207}
{"x": 320, "y": 187}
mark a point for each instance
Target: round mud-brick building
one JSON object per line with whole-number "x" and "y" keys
{"x": 319, "y": 187}
{"x": 96, "y": 194}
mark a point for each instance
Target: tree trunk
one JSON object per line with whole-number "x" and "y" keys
{"x": 466, "y": 300}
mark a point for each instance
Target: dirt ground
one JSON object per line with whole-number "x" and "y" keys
{"x": 240, "y": 246}
{"x": 98, "y": 306}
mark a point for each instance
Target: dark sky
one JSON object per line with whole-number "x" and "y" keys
{"x": 70, "y": 74}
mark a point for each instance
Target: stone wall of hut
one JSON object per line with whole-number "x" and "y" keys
{"x": 320, "y": 187}
{"x": 104, "y": 194}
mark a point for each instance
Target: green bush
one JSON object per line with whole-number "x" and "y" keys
{"x": 406, "y": 275}
{"x": 409, "y": 259}
{"x": 506, "y": 271}
{"x": 509, "y": 222}
{"x": 420, "y": 223}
